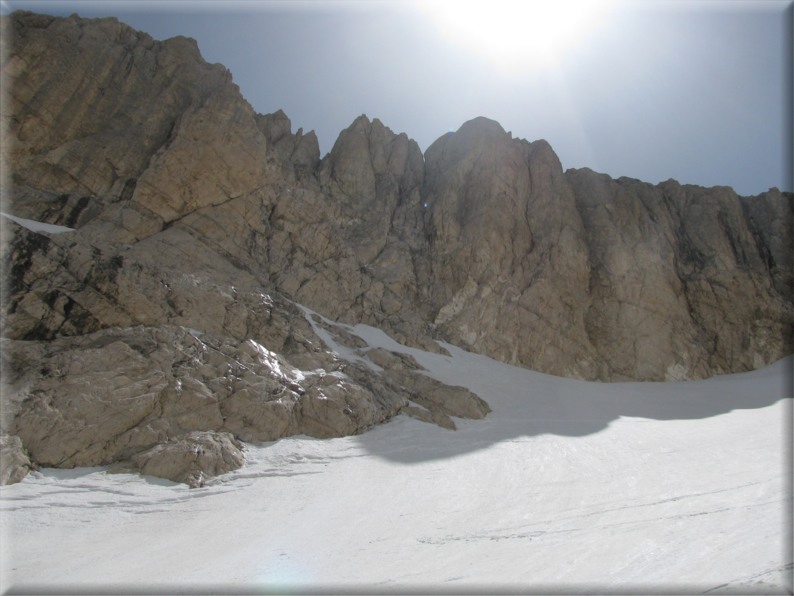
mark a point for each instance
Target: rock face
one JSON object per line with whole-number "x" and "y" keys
{"x": 507, "y": 251}
{"x": 680, "y": 287}
{"x": 171, "y": 401}
{"x": 198, "y": 222}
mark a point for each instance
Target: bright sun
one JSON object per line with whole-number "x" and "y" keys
{"x": 517, "y": 35}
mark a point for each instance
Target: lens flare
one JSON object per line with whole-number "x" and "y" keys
{"x": 517, "y": 35}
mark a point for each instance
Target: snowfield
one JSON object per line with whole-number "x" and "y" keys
{"x": 566, "y": 487}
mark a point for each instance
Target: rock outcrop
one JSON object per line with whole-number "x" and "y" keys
{"x": 135, "y": 397}
{"x": 199, "y": 223}
{"x": 191, "y": 458}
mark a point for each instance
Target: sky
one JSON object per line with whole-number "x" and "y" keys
{"x": 698, "y": 91}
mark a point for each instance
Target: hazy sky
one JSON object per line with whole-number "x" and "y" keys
{"x": 696, "y": 91}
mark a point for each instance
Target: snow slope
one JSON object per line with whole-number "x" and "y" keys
{"x": 37, "y": 226}
{"x": 566, "y": 487}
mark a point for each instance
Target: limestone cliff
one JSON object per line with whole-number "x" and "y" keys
{"x": 683, "y": 282}
{"x": 199, "y": 223}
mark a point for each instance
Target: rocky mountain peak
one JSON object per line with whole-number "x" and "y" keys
{"x": 479, "y": 129}
{"x": 193, "y": 212}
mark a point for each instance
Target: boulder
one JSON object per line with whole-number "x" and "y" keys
{"x": 393, "y": 360}
{"x": 437, "y": 397}
{"x": 425, "y": 415}
{"x": 14, "y": 460}
{"x": 192, "y": 459}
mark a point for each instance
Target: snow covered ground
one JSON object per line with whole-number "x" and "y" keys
{"x": 566, "y": 487}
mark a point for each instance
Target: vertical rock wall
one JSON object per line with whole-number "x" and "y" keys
{"x": 188, "y": 205}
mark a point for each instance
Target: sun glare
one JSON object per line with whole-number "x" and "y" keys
{"x": 517, "y": 35}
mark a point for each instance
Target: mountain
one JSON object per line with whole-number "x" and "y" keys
{"x": 175, "y": 317}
